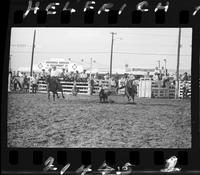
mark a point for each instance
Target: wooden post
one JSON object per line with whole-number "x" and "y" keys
{"x": 32, "y": 56}
{"x": 111, "y": 54}
{"x": 178, "y": 62}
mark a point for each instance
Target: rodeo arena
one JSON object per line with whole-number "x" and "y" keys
{"x": 138, "y": 108}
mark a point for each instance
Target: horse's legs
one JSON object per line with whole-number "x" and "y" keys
{"x": 128, "y": 98}
{"x": 106, "y": 98}
{"x": 61, "y": 90}
{"x": 57, "y": 94}
{"x": 62, "y": 94}
{"x": 49, "y": 95}
{"x": 117, "y": 90}
{"x": 133, "y": 96}
{"x": 127, "y": 93}
{"x": 53, "y": 96}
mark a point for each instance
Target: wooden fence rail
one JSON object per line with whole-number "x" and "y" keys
{"x": 146, "y": 88}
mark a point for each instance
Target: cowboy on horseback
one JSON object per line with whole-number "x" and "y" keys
{"x": 130, "y": 86}
{"x": 53, "y": 83}
{"x": 54, "y": 75}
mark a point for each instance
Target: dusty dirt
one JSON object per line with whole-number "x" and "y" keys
{"x": 82, "y": 121}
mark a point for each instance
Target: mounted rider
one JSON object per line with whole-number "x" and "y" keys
{"x": 54, "y": 74}
{"x": 130, "y": 86}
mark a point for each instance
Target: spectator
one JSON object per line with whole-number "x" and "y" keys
{"x": 147, "y": 75}
{"x": 63, "y": 74}
{"x": 91, "y": 85}
{"x": 156, "y": 74}
{"x": 185, "y": 90}
{"x": 44, "y": 74}
{"x": 163, "y": 72}
{"x": 34, "y": 81}
{"x": 26, "y": 83}
{"x": 96, "y": 76}
{"x": 113, "y": 84}
{"x": 107, "y": 76}
{"x": 116, "y": 80}
{"x": 185, "y": 77}
{"x": 76, "y": 76}
{"x": 71, "y": 76}
{"x": 84, "y": 75}
{"x": 165, "y": 79}
{"x": 49, "y": 71}
{"x": 16, "y": 83}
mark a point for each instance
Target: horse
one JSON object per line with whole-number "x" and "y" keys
{"x": 53, "y": 86}
{"x": 130, "y": 89}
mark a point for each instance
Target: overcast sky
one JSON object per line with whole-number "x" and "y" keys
{"x": 137, "y": 47}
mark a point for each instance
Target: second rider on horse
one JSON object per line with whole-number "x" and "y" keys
{"x": 54, "y": 75}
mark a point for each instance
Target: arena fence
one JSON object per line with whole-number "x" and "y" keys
{"x": 146, "y": 88}
{"x": 158, "y": 91}
{"x": 84, "y": 87}
{"x": 67, "y": 87}
{"x": 155, "y": 89}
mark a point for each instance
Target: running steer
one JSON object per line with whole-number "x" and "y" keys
{"x": 53, "y": 86}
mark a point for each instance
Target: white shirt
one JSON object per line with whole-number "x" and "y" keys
{"x": 33, "y": 80}
{"x": 54, "y": 73}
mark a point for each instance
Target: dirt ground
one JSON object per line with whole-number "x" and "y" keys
{"x": 82, "y": 121}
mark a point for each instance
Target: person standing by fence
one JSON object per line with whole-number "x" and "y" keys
{"x": 26, "y": 83}
{"x": 186, "y": 88}
{"x": 34, "y": 81}
{"x": 44, "y": 74}
{"x": 9, "y": 80}
{"x": 91, "y": 84}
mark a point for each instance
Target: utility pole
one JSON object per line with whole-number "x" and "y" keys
{"x": 9, "y": 73}
{"x": 111, "y": 55}
{"x": 178, "y": 62}
{"x": 165, "y": 61}
{"x": 33, "y": 48}
{"x": 90, "y": 68}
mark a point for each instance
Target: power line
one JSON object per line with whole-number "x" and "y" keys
{"x": 134, "y": 53}
{"x": 129, "y": 53}
{"x": 150, "y": 34}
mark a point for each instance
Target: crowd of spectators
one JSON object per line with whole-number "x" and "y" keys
{"x": 22, "y": 81}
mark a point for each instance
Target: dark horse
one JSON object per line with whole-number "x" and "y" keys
{"x": 130, "y": 89}
{"x": 53, "y": 86}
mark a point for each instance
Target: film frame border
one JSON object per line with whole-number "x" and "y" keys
{"x": 37, "y": 156}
